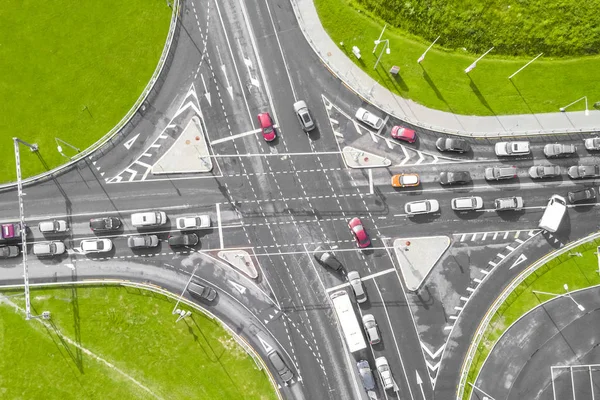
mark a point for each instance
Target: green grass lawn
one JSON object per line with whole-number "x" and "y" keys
{"x": 133, "y": 330}
{"x": 440, "y": 81}
{"x": 72, "y": 69}
{"x": 577, "y": 272}
{"x": 554, "y": 27}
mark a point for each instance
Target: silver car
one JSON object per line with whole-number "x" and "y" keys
{"x": 142, "y": 241}
{"x": 544, "y": 171}
{"x": 592, "y": 143}
{"x": 357, "y": 287}
{"x": 48, "y": 249}
{"x": 498, "y": 173}
{"x": 371, "y": 328}
{"x": 467, "y": 203}
{"x": 306, "y": 121}
{"x": 54, "y": 226}
{"x": 383, "y": 367}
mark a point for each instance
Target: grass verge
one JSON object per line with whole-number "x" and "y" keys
{"x": 577, "y": 272}
{"x": 440, "y": 82}
{"x": 72, "y": 69}
{"x": 133, "y": 330}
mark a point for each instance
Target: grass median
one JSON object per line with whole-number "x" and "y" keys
{"x": 120, "y": 343}
{"x": 578, "y": 268}
{"x": 72, "y": 70}
{"x": 440, "y": 82}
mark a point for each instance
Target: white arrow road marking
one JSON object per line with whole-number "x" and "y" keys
{"x": 265, "y": 345}
{"x": 130, "y": 142}
{"x": 420, "y": 383}
{"x": 240, "y": 288}
{"x": 519, "y": 261}
{"x": 206, "y": 92}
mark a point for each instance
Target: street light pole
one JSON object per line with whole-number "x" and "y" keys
{"x": 59, "y": 147}
{"x": 33, "y": 148}
{"x": 587, "y": 112}
{"x": 181, "y": 295}
{"x": 386, "y": 47}
{"x": 379, "y": 39}
{"x": 472, "y": 66}
{"x": 430, "y": 46}
{"x": 524, "y": 66}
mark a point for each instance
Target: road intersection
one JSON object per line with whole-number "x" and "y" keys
{"x": 280, "y": 200}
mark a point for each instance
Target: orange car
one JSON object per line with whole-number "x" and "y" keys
{"x": 405, "y": 180}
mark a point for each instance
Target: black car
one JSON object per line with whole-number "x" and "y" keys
{"x": 582, "y": 195}
{"x": 452, "y": 144}
{"x": 455, "y": 178}
{"x": 183, "y": 239}
{"x": 327, "y": 258}
{"x": 105, "y": 224}
{"x": 202, "y": 292}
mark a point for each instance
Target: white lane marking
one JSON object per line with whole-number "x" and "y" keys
{"x": 483, "y": 271}
{"x": 506, "y": 234}
{"x": 493, "y": 264}
{"x": 233, "y": 59}
{"x": 448, "y": 327}
{"x": 374, "y": 137}
{"x": 462, "y": 238}
{"x": 502, "y": 256}
{"x": 239, "y": 135}
{"x": 519, "y": 260}
{"x": 285, "y": 64}
{"x": 495, "y": 236}
{"x": 477, "y": 280}
{"x": 206, "y": 91}
{"x": 130, "y": 142}
{"x": 389, "y": 144}
{"x": 220, "y": 227}
{"x": 473, "y": 238}
{"x": 510, "y": 248}
{"x": 453, "y": 317}
{"x": 364, "y": 278}
{"x": 519, "y": 240}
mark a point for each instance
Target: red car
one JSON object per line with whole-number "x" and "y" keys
{"x": 266, "y": 124}
{"x": 359, "y": 232}
{"x": 404, "y": 134}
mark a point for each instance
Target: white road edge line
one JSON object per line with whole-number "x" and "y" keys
{"x": 219, "y": 225}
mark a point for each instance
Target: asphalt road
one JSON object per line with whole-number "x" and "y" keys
{"x": 232, "y": 61}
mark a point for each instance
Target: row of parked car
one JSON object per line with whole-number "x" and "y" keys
{"x": 147, "y": 219}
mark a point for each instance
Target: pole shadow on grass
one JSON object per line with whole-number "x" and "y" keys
{"x": 525, "y": 102}
{"x": 479, "y": 95}
{"x": 218, "y": 357}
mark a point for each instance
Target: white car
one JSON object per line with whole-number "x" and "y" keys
{"x": 383, "y": 367}
{"x": 467, "y": 203}
{"x": 512, "y": 148}
{"x": 422, "y": 207}
{"x": 54, "y": 226}
{"x": 95, "y": 246}
{"x": 369, "y": 119}
{"x": 192, "y": 222}
{"x": 371, "y": 328}
{"x": 592, "y": 143}
{"x": 357, "y": 286}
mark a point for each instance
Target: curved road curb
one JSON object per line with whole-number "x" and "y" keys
{"x": 501, "y": 126}
{"x": 137, "y": 106}
{"x": 483, "y": 325}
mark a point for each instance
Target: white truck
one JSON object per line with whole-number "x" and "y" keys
{"x": 348, "y": 321}
{"x": 554, "y": 213}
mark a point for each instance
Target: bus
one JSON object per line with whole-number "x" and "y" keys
{"x": 347, "y": 319}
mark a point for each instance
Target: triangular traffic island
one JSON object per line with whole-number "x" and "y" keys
{"x": 240, "y": 260}
{"x": 189, "y": 153}
{"x": 356, "y": 158}
{"x": 418, "y": 256}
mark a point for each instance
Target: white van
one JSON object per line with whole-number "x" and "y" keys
{"x": 148, "y": 218}
{"x": 553, "y": 216}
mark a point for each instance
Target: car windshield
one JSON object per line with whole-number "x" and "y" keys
{"x": 268, "y": 129}
{"x": 306, "y": 117}
{"x": 100, "y": 245}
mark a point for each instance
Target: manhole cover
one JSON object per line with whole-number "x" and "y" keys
{"x": 366, "y": 159}
{"x": 197, "y": 137}
{"x": 187, "y": 142}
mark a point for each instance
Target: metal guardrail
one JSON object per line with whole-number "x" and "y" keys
{"x": 366, "y": 95}
{"x": 132, "y": 111}
{"x": 483, "y": 325}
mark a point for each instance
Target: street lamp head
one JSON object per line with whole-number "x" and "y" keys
{"x": 581, "y": 308}
{"x": 387, "y": 51}
{"x": 562, "y": 109}
{"x": 566, "y": 287}
{"x": 377, "y": 41}
{"x": 59, "y": 148}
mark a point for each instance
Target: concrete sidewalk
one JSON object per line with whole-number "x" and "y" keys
{"x": 409, "y": 111}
